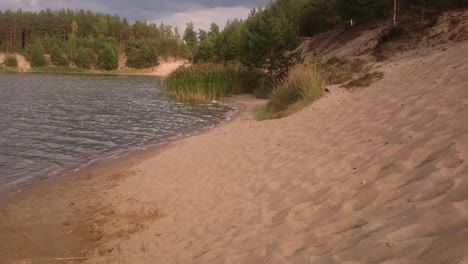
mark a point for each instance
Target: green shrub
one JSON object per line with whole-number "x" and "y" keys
{"x": 108, "y": 57}
{"x": 302, "y": 86}
{"x": 84, "y": 58}
{"x": 143, "y": 57}
{"x": 57, "y": 57}
{"x": 10, "y": 61}
{"x": 202, "y": 82}
{"x": 37, "y": 55}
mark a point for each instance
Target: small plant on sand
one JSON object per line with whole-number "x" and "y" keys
{"x": 10, "y": 61}
{"x": 303, "y": 86}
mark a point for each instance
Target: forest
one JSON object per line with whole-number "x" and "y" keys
{"x": 86, "y": 39}
{"x": 259, "y": 54}
{"x": 262, "y": 39}
{"x": 265, "y": 40}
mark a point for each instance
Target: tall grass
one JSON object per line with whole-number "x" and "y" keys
{"x": 203, "y": 82}
{"x": 302, "y": 86}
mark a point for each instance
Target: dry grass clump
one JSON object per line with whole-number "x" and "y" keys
{"x": 365, "y": 80}
{"x": 303, "y": 86}
{"x": 337, "y": 71}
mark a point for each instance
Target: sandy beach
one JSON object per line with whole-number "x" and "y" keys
{"x": 373, "y": 175}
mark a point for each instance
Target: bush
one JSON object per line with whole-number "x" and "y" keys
{"x": 108, "y": 57}
{"x": 37, "y": 55}
{"x": 84, "y": 58}
{"x": 302, "y": 86}
{"x": 143, "y": 57}
{"x": 57, "y": 57}
{"x": 202, "y": 82}
{"x": 10, "y": 61}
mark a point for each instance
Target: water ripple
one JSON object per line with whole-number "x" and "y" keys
{"x": 50, "y": 124}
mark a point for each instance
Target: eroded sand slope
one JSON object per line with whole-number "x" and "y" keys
{"x": 379, "y": 175}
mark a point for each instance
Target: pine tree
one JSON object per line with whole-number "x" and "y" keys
{"x": 360, "y": 10}
{"x": 74, "y": 28}
{"x": 214, "y": 30}
{"x": 269, "y": 41}
{"x": 190, "y": 38}
{"x": 57, "y": 57}
{"x": 205, "y": 52}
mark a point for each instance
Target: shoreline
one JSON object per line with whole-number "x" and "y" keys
{"x": 44, "y": 207}
{"x": 162, "y": 70}
{"x": 234, "y": 110}
{"x": 90, "y": 73}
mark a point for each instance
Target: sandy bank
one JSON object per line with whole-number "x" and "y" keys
{"x": 165, "y": 67}
{"x": 378, "y": 175}
{"x": 23, "y": 64}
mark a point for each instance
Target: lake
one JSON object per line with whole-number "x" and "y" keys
{"x": 53, "y": 124}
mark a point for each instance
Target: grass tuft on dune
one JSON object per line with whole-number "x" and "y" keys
{"x": 303, "y": 86}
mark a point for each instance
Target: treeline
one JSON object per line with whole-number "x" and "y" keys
{"x": 270, "y": 31}
{"x": 86, "y": 39}
{"x": 265, "y": 44}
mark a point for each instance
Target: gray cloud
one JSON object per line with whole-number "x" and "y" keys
{"x": 135, "y": 9}
{"x": 172, "y": 12}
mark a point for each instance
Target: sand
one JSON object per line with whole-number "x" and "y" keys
{"x": 374, "y": 175}
{"x": 23, "y": 64}
{"x": 166, "y": 67}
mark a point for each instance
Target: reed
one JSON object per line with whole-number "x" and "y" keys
{"x": 204, "y": 82}
{"x": 303, "y": 86}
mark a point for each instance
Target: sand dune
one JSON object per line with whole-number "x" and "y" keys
{"x": 378, "y": 175}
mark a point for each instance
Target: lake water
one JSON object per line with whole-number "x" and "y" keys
{"x": 52, "y": 124}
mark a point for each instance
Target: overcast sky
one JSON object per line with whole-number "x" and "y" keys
{"x": 172, "y": 12}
